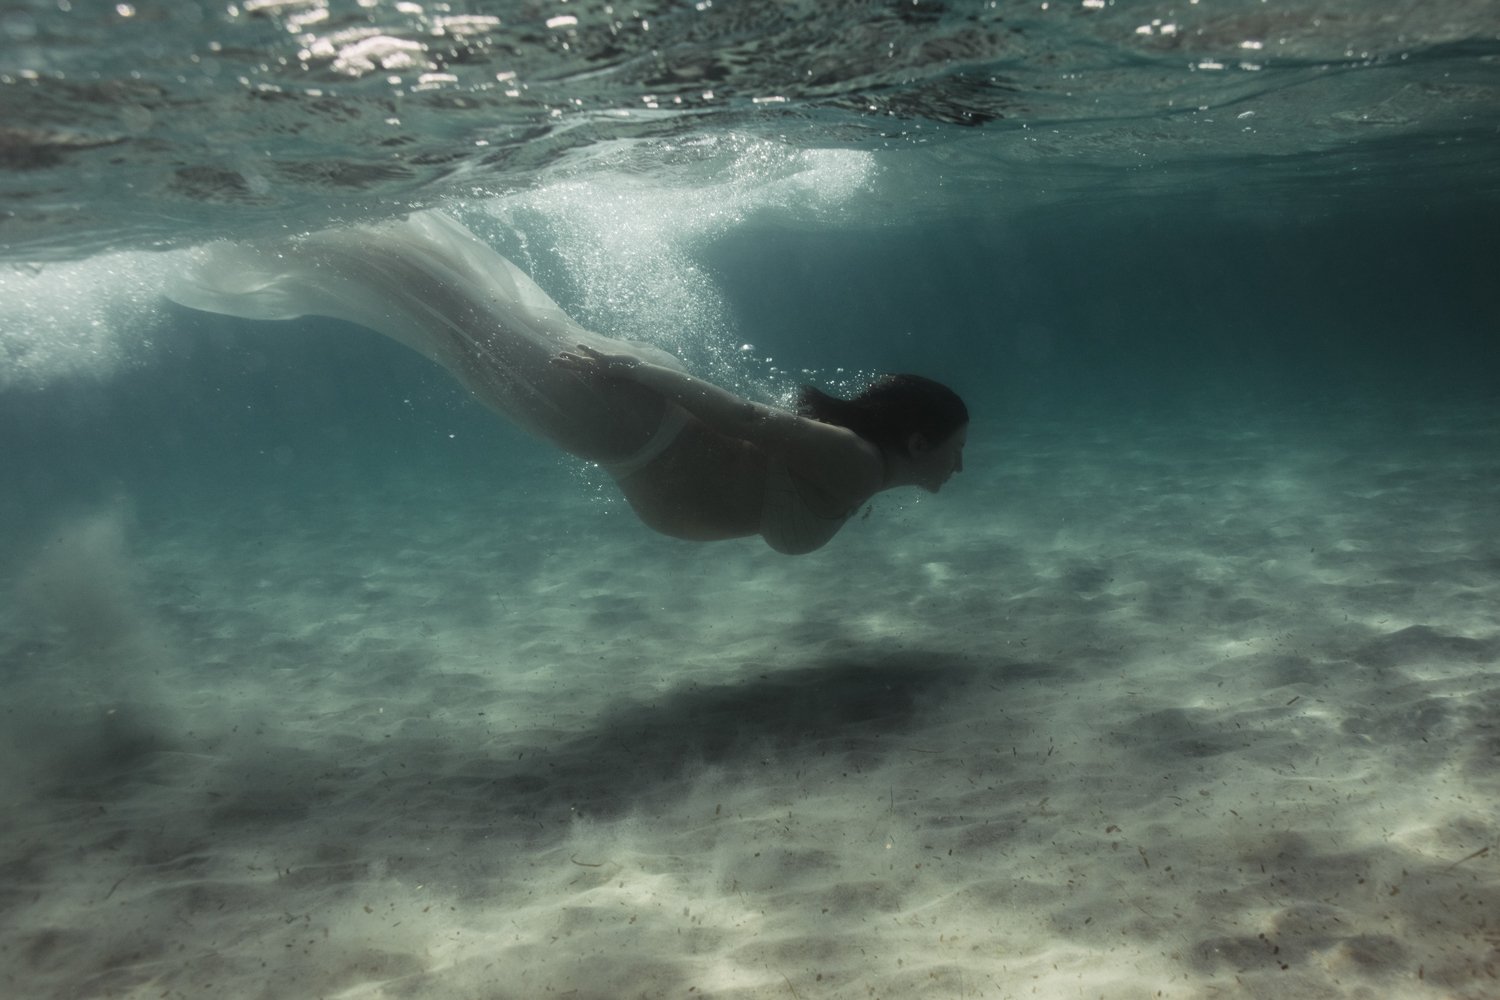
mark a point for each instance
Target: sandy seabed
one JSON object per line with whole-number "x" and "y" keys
{"x": 1136, "y": 711}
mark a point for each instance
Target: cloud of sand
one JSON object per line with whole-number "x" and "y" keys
{"x": 86, "y": 693}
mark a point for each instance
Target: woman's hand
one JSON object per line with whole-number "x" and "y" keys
{"x": 584, "y": 360}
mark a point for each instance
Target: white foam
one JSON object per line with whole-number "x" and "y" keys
{"x": 79, "y": 318}
{"x": 625, "y": 239}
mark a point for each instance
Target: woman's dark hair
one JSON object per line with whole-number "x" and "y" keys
{"x": 890, "y": 410}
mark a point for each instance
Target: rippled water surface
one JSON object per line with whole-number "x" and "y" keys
{"x": 156, "y": 123}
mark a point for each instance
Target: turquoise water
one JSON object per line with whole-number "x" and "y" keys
{"x": 319, "y": 679}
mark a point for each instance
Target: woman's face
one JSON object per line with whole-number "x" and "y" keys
{"x": 938, "y": 463}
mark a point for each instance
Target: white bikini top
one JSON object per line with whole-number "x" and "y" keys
{"x": 786, "y": 522}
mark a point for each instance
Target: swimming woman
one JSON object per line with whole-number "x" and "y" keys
{"x": 695, "y": 461}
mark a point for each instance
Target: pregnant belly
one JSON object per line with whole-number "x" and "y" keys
{"x": 704, "y": 488}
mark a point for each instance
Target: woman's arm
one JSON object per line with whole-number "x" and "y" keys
{"x": 719, "y": 408}
{"x": 838, "y": 460}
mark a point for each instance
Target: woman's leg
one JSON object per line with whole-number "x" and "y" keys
{"x": 429, "y": 283}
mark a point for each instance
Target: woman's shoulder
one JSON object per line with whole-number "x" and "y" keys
{"x": 835, "y": 459}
